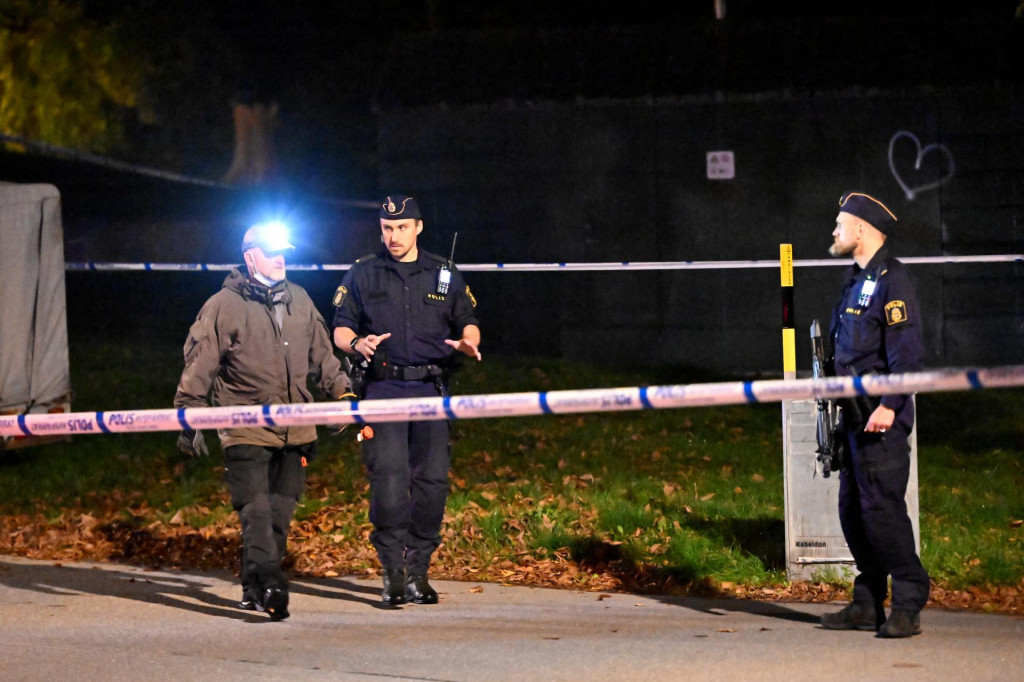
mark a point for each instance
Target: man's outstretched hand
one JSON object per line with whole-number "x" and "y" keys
{"x": 465, "y": 347}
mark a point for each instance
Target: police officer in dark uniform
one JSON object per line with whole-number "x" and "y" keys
{"x": 876, "y": 329}
{"x": 406, "y": 312}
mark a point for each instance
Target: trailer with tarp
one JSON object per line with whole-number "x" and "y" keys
{"x": 34, "y": 368}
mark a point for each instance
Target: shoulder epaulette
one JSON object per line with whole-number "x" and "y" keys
{"x": 434, "y": 256}
{"x": 367, "y": 257}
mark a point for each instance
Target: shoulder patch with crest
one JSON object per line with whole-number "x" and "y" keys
{"x": 472, "y": 299}
{"x": 339, "y": 296}
{"x": 895, "y": 312}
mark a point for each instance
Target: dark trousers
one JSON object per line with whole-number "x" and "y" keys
{"x": 873, "y": 515}
{"x": 265, "y": 485}
{"x": 408, "y": 467}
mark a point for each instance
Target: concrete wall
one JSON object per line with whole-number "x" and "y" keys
{"x": 617, "y": 181}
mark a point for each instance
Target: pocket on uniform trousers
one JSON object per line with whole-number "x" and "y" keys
{"x": 883, "y": 452}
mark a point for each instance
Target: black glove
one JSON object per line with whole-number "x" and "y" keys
{"x": 339, "y": 429}
{"x": 192, "y": 443}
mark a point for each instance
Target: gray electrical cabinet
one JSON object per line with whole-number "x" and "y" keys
{"x": 815, "y": 547}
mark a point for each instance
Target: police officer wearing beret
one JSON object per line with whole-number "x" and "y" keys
{"x": 406, "y": 312}
{"x": 876, "y": 329}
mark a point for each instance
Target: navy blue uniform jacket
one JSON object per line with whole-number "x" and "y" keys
{"x": 380, "y": 295}
{"x": 876, "y": 328}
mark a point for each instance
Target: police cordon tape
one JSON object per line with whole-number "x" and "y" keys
{"x": 96, "y": 266}
{"x": 508, "y": 404}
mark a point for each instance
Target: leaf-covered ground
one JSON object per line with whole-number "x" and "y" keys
{"x": 669, "y": 502}
{"x": 334, "y": 541}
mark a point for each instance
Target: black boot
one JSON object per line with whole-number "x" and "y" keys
{"x": 275, "y": 603}
{"x": 419, "y": 591}
{"x": 394, "y": 590}
{"x": 901, "y": 623}
{"x": 855, "y": 616}
{"x": 249, "y": 601}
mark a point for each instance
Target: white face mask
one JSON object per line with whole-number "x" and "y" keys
{"x": 258, "y": 276}
{"x": 254, "y": 268}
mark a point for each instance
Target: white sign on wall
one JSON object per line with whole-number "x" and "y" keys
{"x": 721, "y": 165}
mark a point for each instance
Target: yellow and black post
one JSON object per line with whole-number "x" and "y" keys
{"x": 788, "y": 330}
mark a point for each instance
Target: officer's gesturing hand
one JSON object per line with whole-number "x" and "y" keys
{"x": 367, "y": 345}
{"x": 466, "y": 347}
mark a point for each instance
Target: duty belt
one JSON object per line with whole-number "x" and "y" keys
{"x": 417, "y": 373}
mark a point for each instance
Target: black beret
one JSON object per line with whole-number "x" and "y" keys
{"x": 869, "y": 209}
{"x": 399, "y": 207}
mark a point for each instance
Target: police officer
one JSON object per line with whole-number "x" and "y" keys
{"x": 876, "y": 329}
{"x": 254, "y": 342}
{"x": 406, "y": 312}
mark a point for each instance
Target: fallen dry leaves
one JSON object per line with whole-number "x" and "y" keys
{"x": 335, "y": 541}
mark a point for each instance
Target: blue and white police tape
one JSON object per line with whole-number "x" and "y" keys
{"x": 564, "y": 267}
{"x": 509, "y": 404}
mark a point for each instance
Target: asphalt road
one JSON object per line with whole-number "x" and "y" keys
{"x": 113, "y": 622}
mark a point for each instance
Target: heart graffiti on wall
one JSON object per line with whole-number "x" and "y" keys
{"x": 913, "y": 182}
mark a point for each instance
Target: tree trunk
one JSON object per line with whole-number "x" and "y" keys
{"x": 253, "y": 162}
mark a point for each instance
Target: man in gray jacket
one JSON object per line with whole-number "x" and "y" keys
{"x": 254, "y": 343}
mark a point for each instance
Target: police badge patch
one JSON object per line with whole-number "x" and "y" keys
{"x": 339, "y": 296}
{"x": 472, "y": 299}
{"x": 895, "y": 312}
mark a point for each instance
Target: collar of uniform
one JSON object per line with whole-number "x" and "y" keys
{"x": 879, "y": 258}
{"x": 876, "y": 261}
{"x": 388, "y": 261}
